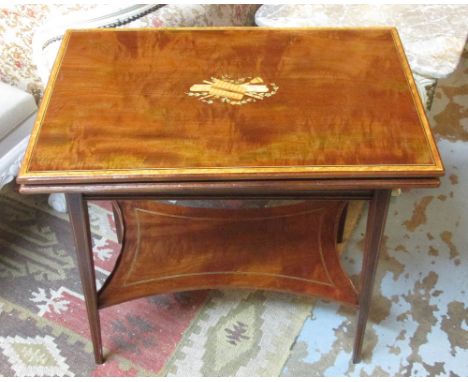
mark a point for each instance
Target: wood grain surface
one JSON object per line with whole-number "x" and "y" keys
{"x": 117, "y": 109}
{"x": 169, "y": 248}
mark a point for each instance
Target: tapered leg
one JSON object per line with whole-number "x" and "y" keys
{"x": 78, "y": 212}
{"x": 378, "y": 208}
{"x": 342, "y": 223}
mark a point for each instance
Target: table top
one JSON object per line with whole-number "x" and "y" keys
{"x": 229, "y": 104}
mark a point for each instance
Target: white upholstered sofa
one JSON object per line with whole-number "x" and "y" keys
{"x": 17, "y": 115}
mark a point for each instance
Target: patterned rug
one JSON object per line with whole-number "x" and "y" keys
{"x": 43, "y": 325}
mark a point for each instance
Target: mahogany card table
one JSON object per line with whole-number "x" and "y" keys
{"x": 321, "y": 116}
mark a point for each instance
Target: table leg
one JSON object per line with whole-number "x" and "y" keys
{"x": 378, "y": 208}
{"x": 78, "y": 212}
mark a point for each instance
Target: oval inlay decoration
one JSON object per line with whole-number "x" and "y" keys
{"x": 233, "y": 91}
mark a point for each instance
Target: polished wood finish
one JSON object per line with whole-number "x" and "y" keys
{"x": 116, "y": 123}
{"x": 79, "y": 219}
{"x": 377, "y": 215}
{"x": 117, "y": 109}
{"x": 171, "y": 248}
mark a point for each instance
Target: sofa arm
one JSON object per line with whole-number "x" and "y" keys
{"x": 17, "y": 115}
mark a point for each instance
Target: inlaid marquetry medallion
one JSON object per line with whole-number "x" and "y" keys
{"x": 233, "y": 91}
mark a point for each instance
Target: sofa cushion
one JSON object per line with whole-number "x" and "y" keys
{"x": 15, "y": 107}
{"x": 433, "y": 36}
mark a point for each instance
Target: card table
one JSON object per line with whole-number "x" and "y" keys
{"x": 320, "y": 116}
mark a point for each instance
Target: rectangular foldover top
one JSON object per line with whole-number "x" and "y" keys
{"x": 229, "y": 103}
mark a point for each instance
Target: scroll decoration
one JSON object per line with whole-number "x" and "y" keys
{"x": 234, "y": 92}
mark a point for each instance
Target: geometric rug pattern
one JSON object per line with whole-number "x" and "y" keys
{"x": 34, "y": 356}
{"x": 43, "y": 322}
{"x": 41, "y": 300}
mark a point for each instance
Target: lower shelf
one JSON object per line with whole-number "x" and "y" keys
{"x": 168, "y": 248}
